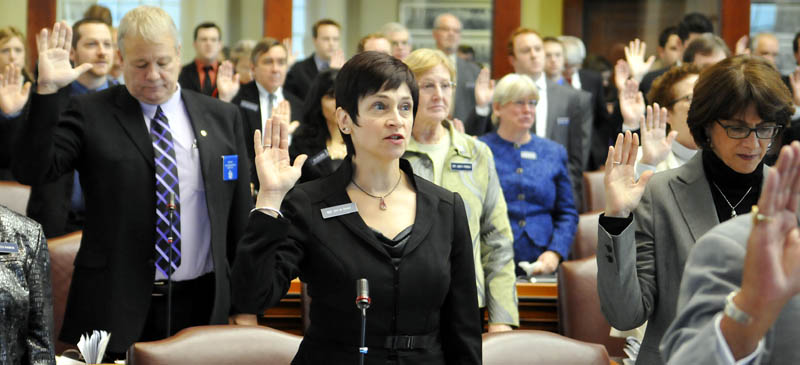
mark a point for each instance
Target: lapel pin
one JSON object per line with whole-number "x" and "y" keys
{"x": 203, "y": 132}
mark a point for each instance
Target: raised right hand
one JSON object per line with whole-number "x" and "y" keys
{"x": 631, "y": 105}
{"x": 634, "y": 54}
{"x": 622, "y": 72}
{"x": 13, "y": 94}
{"x": 484, "y": 88}
{"x": 656, "y": 144}
{"x": 623, "y": 191}
{"x": 55, "y": 71}
{"x": 276, "y": 174}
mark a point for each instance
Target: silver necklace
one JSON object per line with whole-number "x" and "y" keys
{"x": 733, "y": 207}
{"x": 382, "y": 204}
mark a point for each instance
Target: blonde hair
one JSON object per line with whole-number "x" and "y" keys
{"x": 424, "y": 59}
{"x": 513, "y": 87}
{"x": 148, "y": 23}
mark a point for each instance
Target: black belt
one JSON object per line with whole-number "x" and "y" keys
{"x": 202, "y": 282}
{"x": 404, "y": 342}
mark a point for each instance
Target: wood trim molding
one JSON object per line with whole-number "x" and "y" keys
{"x": 41, "y": 14}
{"x": 278, "y": 19}
{"x": 734, "y": 21}
{"x": 505, "y": 18}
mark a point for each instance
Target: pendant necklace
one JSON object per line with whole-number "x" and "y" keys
{"x": 733, "y": 207}
{"x": 382, "y": 204}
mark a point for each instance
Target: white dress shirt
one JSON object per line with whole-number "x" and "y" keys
{"x": 195, "y": 223}
{"x": 263, "y": 101}
{"x": 541, "y": 106}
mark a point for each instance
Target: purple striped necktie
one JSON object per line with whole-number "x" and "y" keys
{"x": 166, "y": 184}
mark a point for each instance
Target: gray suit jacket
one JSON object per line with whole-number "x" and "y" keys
{"x": 639, "y": 270}
{"x": 466, "y": 74}
{"x": 713, "y": 270}
{"x": 569, "y": 122}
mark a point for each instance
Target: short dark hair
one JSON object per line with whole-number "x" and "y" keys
{"x": 321, "y": 22}
{"x": 312, "y": 134}
{"x": 661, "y": 91}
{"x": 705, "y": 45}
{"x": 794, "y": 42}
{"x": 264, "y": 45}
{"x": 729, "y": 87}
{"x": 76, "y": 34}
{"x": 101, "y": 12}
{"x": 551, "y": 39}
{"x": 694, "y": 23}
{"x": 663, "y": 38}
{"x": 207, "y": 25}
{"x": 368, "y": 73}
{"x": 466, "y": 49}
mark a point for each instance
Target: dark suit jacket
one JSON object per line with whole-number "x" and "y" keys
{"x": 602, "y": 128}
{"x": 190, "y": 79}
{"x": 331, "y": 254}
{"x": 647, "y": 81}
{"x": 569, "y": 122}
{"x": 104, "y": 137}
{"x": 300, "y": 77}
{"x": 250, "y": 108}
{"x": 466, "y": 74}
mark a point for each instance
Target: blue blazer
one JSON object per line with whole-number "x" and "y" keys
{"x": 538, "y": 192}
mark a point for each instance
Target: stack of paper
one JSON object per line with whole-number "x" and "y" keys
{"x": 93, "y": 347}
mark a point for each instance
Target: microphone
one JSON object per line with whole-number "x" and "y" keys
{"x": 363, "y": 300}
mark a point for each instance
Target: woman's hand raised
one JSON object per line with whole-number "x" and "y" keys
{"x": 276, "y": 173}
{"x": 656, "y": 144}
{"x": 623, "y": 191}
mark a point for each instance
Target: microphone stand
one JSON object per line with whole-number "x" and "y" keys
{"x": 363, "y": 302}
{"x": 170, "y": 238}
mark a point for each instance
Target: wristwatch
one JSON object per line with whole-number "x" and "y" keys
{"x": 733, "y": 312}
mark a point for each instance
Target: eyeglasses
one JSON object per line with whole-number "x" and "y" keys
{"x": 687, "y": 97}
{"x": 762, "y": 131}
{"x": 430, "y": 86}
{"x": 530, "y": 102}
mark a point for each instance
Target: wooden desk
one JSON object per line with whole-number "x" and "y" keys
{"x": 537, "y": 308}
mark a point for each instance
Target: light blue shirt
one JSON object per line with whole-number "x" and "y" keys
{"x": 196, "y": 257}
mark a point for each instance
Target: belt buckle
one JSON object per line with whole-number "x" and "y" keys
{"x": 404, "y": 342}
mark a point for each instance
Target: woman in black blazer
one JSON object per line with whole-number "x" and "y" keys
{"x": 318, "y": 135}
{"x": 372, "y": 218}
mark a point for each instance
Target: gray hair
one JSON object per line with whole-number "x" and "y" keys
{"x": 149, "y": 23}
{"x": 513, "y": 87}
{"x": 438, "y": 21}
{"x": 754, "y": 40}
{"x": 574, "y": 50}
{"x": 393, "y": 27}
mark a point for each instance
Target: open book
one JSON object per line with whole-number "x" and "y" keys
{"x": 93, "y": 347}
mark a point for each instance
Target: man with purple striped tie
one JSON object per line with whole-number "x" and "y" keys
{"x": 165, "y": 178}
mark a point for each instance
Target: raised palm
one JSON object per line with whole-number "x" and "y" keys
{"x": 13, "y": 94}
{"x": 656, "y": 144}
{"x": 227, "y": 82}
{"x": 276, "y": 173}
{"x": 55, "y": 70}
{"x": 484, "y": 88}
{"x": 634, "y": 54}
{"x": 623, "y": 191}
{"x": 631, "y": 105}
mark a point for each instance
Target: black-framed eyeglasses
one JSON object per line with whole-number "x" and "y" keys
{"x": 762, "y": 131}
{"x": 687, "y": 97}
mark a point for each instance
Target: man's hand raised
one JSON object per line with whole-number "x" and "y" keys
{"x": 55, "y": 70}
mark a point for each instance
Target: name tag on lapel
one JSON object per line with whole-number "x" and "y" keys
{"x": 230, "y": 167}
{"x": 338, "y": 210}
{"x": 8, "y": 247}
{"x": 562, "y": 120}
{"x": 249, "y": 105}
{"x": 319, "y": 157}
{"x": 461, "y": 166}
{"x": 528, "y": 155}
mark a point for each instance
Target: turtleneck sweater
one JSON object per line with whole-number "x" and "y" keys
{"x": 729, "y": 187}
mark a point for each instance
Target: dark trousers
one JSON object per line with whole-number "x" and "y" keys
{"x": 192, "y": 302}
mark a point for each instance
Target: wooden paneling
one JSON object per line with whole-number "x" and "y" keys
{"x": 735, "y": 19}
{"x": 278, "y": 18}
{"x": 573, "y": 18}
{"x": 505, "y": 19}
{"x": 41, "y": 14}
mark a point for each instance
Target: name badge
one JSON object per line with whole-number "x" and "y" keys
{"x": 461, "y": 166}
{"x": 230, "y": 167}
{"x": 319, "y": 157}
{"x": 249, "y": 105}
{"x": 562, "y": 120}
{"x": 528, "y": 155}
{"x": 8, "y": 247}
{"x": 338, "y": 210}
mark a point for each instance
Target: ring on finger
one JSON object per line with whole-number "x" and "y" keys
{"x": 616, "y": 162}
{"x": 267, "y": 145}
{"x": 759, "y": 217}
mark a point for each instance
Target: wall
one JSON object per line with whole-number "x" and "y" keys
{"x": 14, "y": 13}
{"x": 544, "y": 16}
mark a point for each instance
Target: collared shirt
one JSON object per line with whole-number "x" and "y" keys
{"x": 678, "y": 155}
{"x": 211, "y": 73}
{"x": 541, "y": 106}
{"x": 263, "y": 101}
{"x": 576, "y": 80}
{"x": 322, "y": 65}
{"x": 724, "y": 351}
{"x": 76, "y": 88}
{"x": 195, "y": 223}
